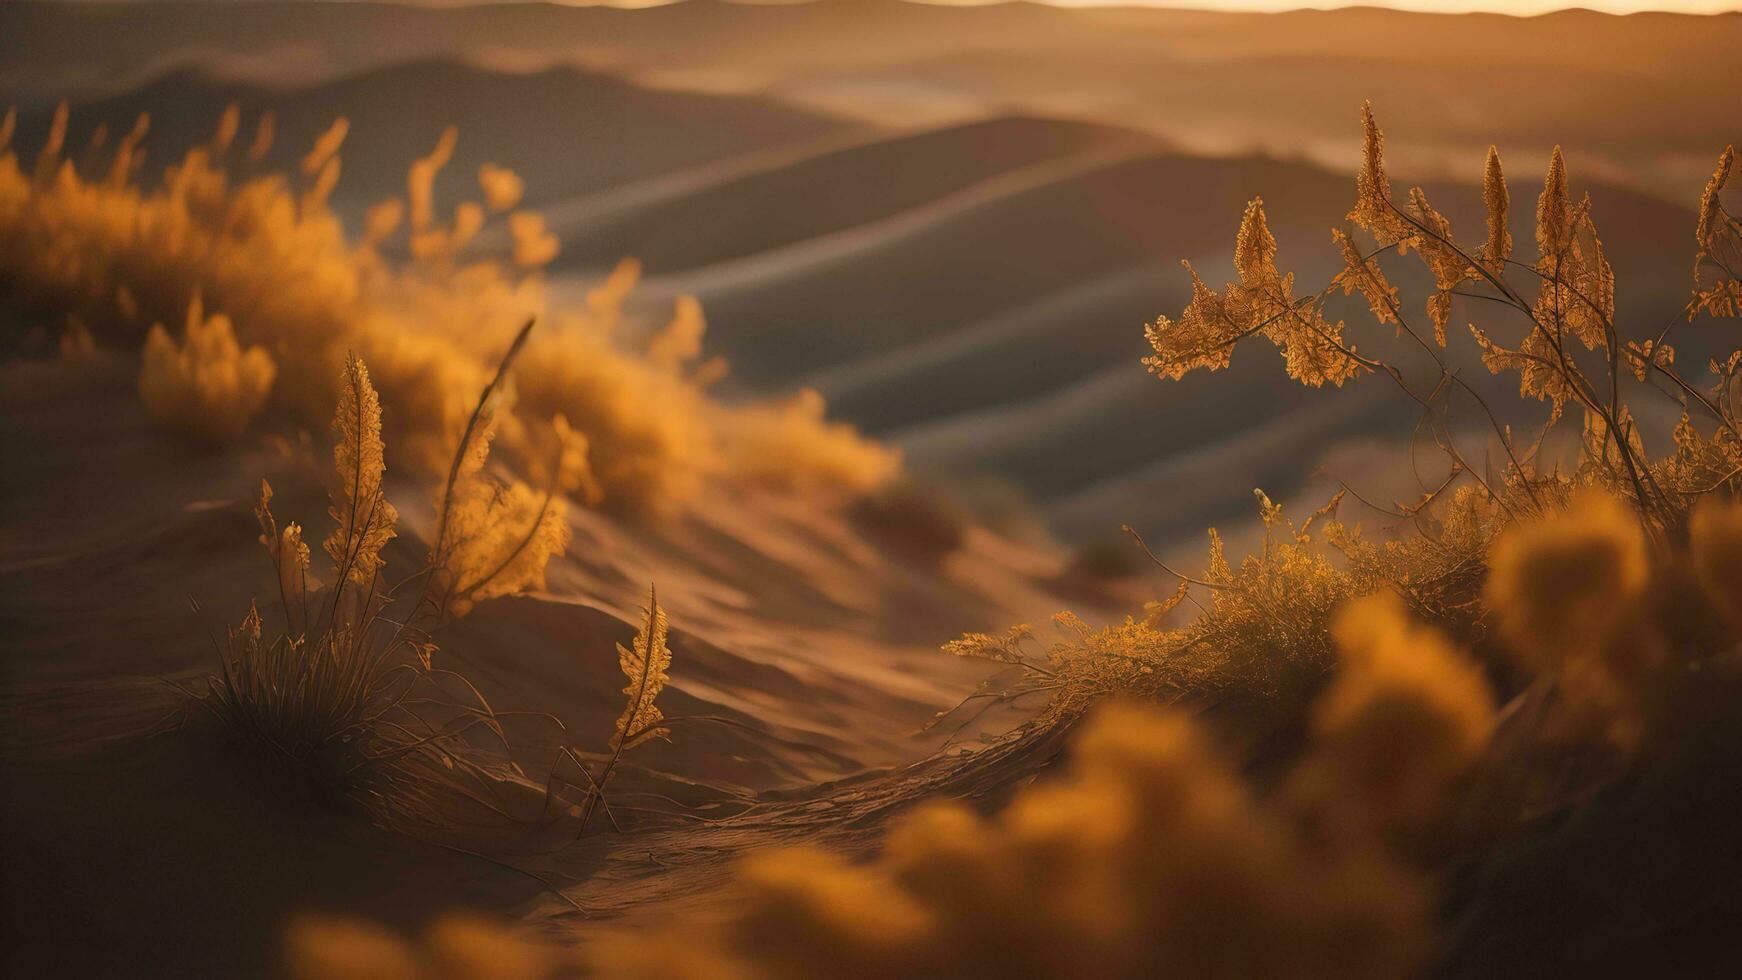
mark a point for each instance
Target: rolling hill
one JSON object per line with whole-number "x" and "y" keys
{"x": 568, "y": 132}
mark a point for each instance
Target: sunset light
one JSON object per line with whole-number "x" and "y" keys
{"x": 870, "y": 490}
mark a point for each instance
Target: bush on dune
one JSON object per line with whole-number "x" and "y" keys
{"x": 454, "y": 947}
{"x": 1260, "y": 635}
{"x": 208, "y": 386}
{"x": 1601, "y": 593}
{"x": 1604, "y": 596}
{"x": 346, "y": 701}
{"x": 90, "y": 243}
{"x": 1150, "y": 857}
{"x": 792, "y": 444}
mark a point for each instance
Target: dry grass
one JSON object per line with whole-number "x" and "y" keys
{"x": 89, "y": 244}
{"x": 1590, "y": 596}
{"x": 347, "y": 700}
{"x": 207, "y": 386}
{"x": 1153, "y": 856}
{"x": 1259, "y": 633}
{"x": 452, "y": 948}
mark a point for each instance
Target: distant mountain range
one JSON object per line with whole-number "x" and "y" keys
{"x": 567, "y": 132}
{"x": 968, "y": 281}
{"x": 1639, "y": 99}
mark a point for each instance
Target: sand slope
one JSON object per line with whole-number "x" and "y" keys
{"x": 815, "y": 636}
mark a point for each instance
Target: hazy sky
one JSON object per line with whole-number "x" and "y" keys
{"x": 1523, "y": 7}
{"x": 1445, "y": 6}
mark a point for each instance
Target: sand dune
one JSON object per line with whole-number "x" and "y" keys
{"x": 952, "y": 222}
{"x": 567, "y": 132}
{"x": 784, "y": 623}
{"x": 1636, "y": 98}
{"x": 1011, "y": 345}
{"x": 1006, "y": 356}
{"x": 745, "y": 214}
{"x": 952, "y": 288}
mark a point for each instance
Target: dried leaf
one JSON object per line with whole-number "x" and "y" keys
{"x": 1498, "y": 248}
{"x": 365, "y": 520}
{"x": 645, "y": 663}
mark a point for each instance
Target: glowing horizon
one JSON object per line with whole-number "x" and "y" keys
{"x": 1516, "y": 7}
{"x": 1521, "y": 8}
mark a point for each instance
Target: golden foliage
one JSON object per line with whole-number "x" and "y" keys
{"x": 533, "y": 245}
{"x": 1538, "y": 365}
{"x": 1578, "y": 287}
{"x": 792, "y": 444}
{"x": 502, "y": 187}
{"x": 1151, "y": 857}
{"x": 1006, "y": 648}
{"x": 1364, "y": 273}
{"x": 1558, "y": 587}
{"x": 1448, "y": 265}
{"x": 329, "y": 700}
{"x": 1581, "y": 575}
{"x": 1719, "y": 237}
{"x": 1202, "y": 337}
{"x": 644, "y": 442}
{"x": 420, "y": 180}
{"x": 495, "y": 535}
{"x": 271, "y": 255}
{"x": 229, "y": 124}
{"x": 1715, "y": 539}
{"x": 49, "y": 157}
{"x": 326, "y": 147}
{"x": 1575, "y": 300}
{"x": 679, "y": 342}
{"x": 1264, "y": 632}
{"x": 289, "y": 553}
{"x": 1566, "y": 595}
{"x": 1644, "y": 355}
{"x": 207, "y": 387}
{"x": 1701, "y": 464}
{"x": 504, "y": 536}
{"x": 1373, "y": 211}
{"x": 1496, "y": 199}
{"x": 1405, "y": 718}
{"x": 364, "y": 520}
{"x": 1262, "y": 302}
{"x": 264, "y": 130}
{"x": 451, "y": 948}
{"x": 645, "y": 662}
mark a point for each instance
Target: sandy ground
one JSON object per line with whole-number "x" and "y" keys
{"x": 138, "y": 844}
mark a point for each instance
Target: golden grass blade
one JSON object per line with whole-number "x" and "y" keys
{"x": 645, "y": 664}
{"x": 365, "y": 520}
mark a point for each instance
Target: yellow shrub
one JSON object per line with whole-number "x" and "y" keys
{"x": 1715, "y": 534}
{"x": 208, "y": 387}
{"x": 1559, "y": 587}
{"x": 269, "y": 253}
{"x": 792, "y": 444}
{"x": 1151, "y": 858}
{"x": 1566, "y": 594}
{"x": 1405, "y": 717}
{"x": 454, "y": 948}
